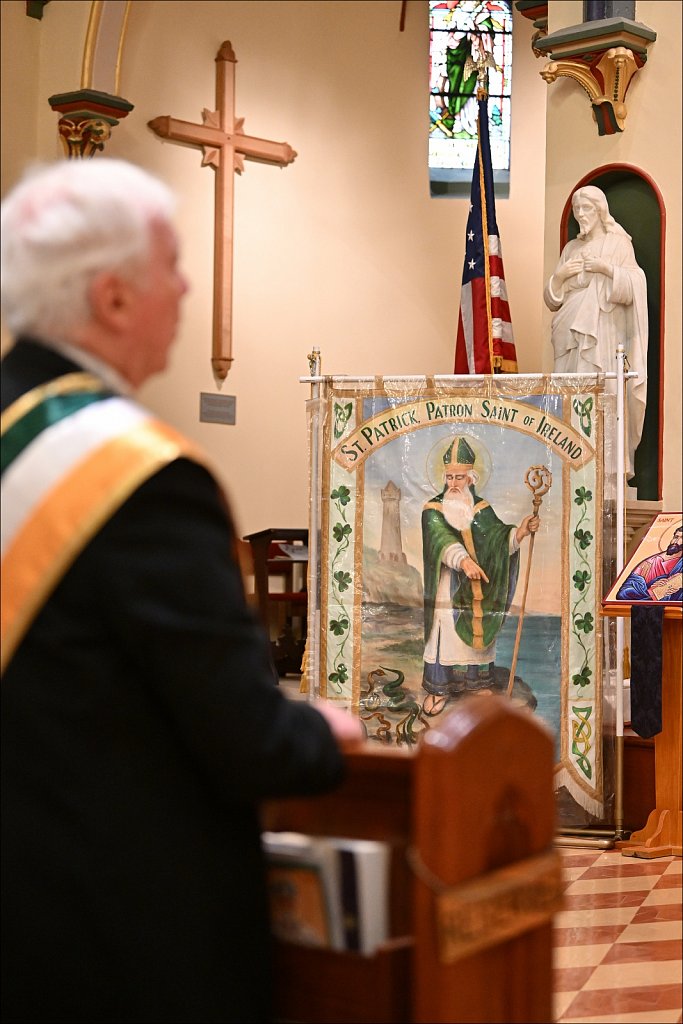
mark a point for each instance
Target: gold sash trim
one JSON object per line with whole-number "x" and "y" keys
{"x": 64, "y": 522}
{"x": 477, "y": 592}
{"x": 65, "y": 385}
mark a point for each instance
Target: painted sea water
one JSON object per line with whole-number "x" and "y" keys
{"x": 393, "y": 642}
{"x": 538, "y": 661}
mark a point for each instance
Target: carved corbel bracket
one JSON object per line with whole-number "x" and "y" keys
{"x": 88, "y": 117}
{"x": 605, "y": 82}
{"x": 537, "y": 12}
{"x": 602, "y": 57}
{"x": 83, "y": 138}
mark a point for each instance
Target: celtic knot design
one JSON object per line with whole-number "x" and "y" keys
{"x": 583, "y": 411}
{"x": 581, "y": 739}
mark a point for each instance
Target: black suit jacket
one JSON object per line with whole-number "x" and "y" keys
{"x": 140, "y": 728}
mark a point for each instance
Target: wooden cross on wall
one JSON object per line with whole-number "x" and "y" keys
{"x": 225, "y": 145}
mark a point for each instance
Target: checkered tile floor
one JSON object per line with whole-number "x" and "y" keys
{"x": 618, "y": 940}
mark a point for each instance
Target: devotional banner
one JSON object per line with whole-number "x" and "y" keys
{"x": 461, "y": 535}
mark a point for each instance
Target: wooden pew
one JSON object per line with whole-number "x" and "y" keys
{"x": 470, "y": 818}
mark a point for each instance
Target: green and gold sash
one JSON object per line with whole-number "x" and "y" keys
{"x": 72, "y": 453}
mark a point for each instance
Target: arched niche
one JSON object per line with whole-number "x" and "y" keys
{"x": 636, "y": 203}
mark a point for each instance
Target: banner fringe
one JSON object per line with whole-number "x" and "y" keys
{"x": 564, "y": 778}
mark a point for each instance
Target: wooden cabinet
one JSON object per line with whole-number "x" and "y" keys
{"x": 662, "y": 835}
{"x": 280, "y": 563}
{"x": 639, "y": 780}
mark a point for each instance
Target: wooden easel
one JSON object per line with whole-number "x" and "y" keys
{"x": 662, "y": 834}
{"x": 472, "y": 806}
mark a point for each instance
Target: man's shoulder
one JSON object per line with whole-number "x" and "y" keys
{"x": 183, "y": 476}
{"x": 178, "y": 508}
{"x": 28, "y": 364}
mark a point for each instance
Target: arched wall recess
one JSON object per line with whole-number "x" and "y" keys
{"x": 636, "y": 203}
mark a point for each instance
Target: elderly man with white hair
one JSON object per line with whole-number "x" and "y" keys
{"x": 141, "y": 723}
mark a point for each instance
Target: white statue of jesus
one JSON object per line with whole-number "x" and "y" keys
{"x": 599, "y": 296}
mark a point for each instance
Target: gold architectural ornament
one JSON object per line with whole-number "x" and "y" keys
{"x": 606, "y": 84}
{"x": 602, "y": 57}
{"x": 87, "y": 119}
{"x": 83, "y": 138}
{"x": 536, "y": 11}
{"x": 540, "y": 33}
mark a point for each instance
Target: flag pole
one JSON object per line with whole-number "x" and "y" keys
{"x": 481, "y": 67}
{"x": 484, "y": 337}
{"x": 310, "y": 676}
{"x": 482, "y": 96}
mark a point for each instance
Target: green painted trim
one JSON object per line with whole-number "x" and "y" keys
{"x": 86, "y": 96}
{"x": 606, "y": 119}
{"x": 530, "y": 5}
{"x": 593, "y": 31}
{"x": 34, "y": 8}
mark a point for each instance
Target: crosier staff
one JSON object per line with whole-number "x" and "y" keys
{"x": 538, "y": 479}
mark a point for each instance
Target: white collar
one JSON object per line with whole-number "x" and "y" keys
{"x": 93, "y": 364}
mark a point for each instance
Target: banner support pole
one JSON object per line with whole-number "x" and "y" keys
{"x": 313, "y": 631}
{"x": 619, "y": 765}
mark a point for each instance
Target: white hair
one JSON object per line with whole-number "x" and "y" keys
{"x": 62, "y": 225}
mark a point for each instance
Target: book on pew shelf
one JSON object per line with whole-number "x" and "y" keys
{"x": 363, "y": 874}
{"x": 329, "y": 892}
{"x": 302, "y": 890}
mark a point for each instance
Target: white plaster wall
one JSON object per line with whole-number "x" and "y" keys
{"x": 40, "y": 57}
{"x": 563, "y": 14}
{"x": 20, "y": 56}
{"x": 344, "y": 249}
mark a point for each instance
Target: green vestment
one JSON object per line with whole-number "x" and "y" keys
{"x": 479, "y": 608}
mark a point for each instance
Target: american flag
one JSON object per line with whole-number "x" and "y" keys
{"x": 485, "y": 343}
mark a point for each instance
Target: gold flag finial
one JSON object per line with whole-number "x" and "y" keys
{"x": 481, "y": 67}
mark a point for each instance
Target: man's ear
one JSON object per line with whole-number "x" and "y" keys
{"x": 111, "y": 300}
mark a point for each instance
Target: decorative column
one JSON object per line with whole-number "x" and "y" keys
{"x": 88, "y": 117}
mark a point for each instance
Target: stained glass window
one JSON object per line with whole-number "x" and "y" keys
{"x": 459, "y": 29}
